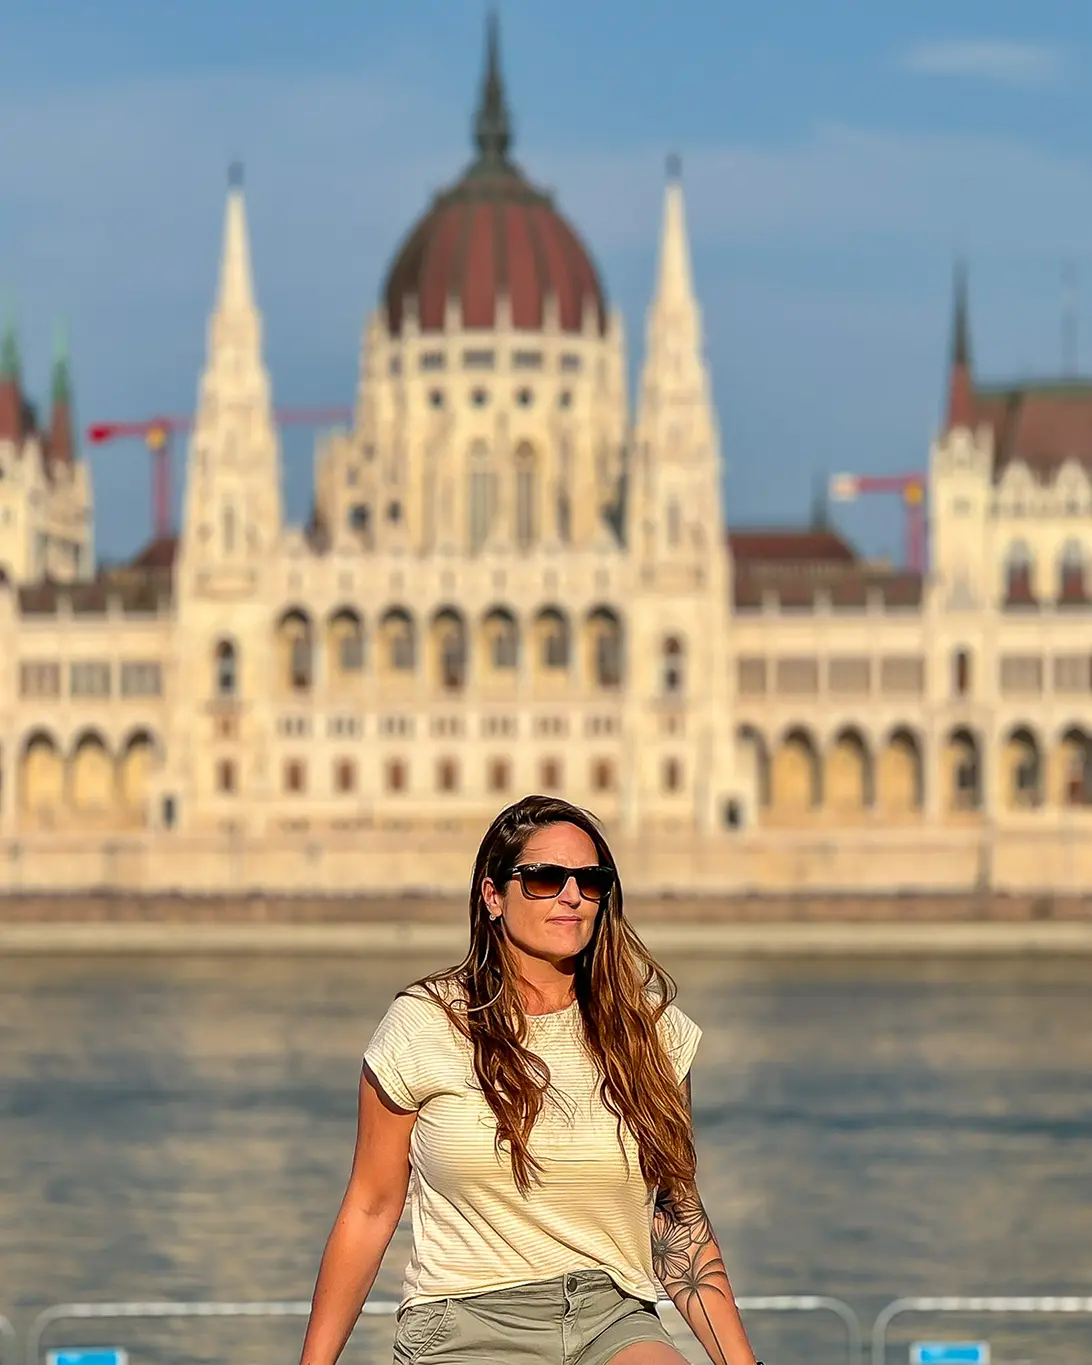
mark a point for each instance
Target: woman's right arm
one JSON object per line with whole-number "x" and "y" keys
{"x": 365, "y": 1223}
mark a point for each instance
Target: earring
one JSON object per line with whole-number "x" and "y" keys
{"x": 493, "y": 918}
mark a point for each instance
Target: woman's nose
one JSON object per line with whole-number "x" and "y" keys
{"x": 570, "y": 892}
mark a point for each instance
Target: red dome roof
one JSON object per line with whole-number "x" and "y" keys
{"x": 493, "y": 234}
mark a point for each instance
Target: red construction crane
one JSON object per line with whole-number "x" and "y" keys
{"x": 157, "y": 434}
{"x": 910, "y": 488}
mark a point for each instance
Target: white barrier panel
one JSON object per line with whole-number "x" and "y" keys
{"x": 301, "y": 1308}
{"x": 1072, "y": 1303}
{"x": 7, "y": 1342}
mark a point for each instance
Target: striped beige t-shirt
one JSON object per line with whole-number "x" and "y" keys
{"x": 473, "y": 1231}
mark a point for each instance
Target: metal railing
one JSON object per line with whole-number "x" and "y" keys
{"x": 1058, "y": 1304}
{"x": 810, "y": 1303}
{"x": 1050, "y": 1303}
{"x": 301, "y": 1308}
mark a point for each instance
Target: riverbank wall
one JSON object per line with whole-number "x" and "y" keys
{"x": 757, "y": 924}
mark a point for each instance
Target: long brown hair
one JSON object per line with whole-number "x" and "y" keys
{"x": 621, "y": 991}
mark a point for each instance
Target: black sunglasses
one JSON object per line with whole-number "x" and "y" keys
{"x": 540, "y": 881}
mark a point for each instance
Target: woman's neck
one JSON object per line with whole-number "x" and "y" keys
{"x": 546, "y": 987}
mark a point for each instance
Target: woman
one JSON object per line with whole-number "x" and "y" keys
{"x": 540, "y": 1094}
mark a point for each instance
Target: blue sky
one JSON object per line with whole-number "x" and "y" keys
{"x": 836, "y": 156}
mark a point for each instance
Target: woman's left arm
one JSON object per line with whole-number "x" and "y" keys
{"x": 688, "y": 1263}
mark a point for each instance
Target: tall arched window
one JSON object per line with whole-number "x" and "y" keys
{"x": 399, "y": 641}
{"x": 227, "y": 680}
{"x": 564, "y": 501}
{"x": 605, "y": 640}
{"x": 674, "y": 671}
{"x": 502, "y": 639}
{"x": 345, "y": 644}
{"x": 526, "y": 510}
{"x": 295, "y": 647}
{"x": 481, "y": 497}
{"x": 229, "y": 529}
{"x": 1076, "y": 755}
{"x": 449, "y": 646}
{"x": 1018, "y": 586}
{"x": 966, "y": 771}
{"x": 674, "y": 524}
{"x": 1071, "y": 573}
{"x": 553, "y": 636}
{"x": 961, "y": 672}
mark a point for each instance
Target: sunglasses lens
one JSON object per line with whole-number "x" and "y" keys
{"x": 595, "y": 882}
{"x": 541, "y": 882}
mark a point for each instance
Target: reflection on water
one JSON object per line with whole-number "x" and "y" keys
{"x": 182, "y": 1129}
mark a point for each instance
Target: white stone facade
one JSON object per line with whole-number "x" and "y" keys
{"x": 510, "y": 584}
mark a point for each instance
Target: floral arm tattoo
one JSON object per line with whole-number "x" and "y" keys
{"x": 688, "y": 1263}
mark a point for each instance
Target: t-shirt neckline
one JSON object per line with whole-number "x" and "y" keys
{"x": 553, "y": 1014}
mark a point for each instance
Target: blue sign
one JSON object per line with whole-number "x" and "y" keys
{"x": 950, "y": 1353}
{"x": 88, "y": 1355}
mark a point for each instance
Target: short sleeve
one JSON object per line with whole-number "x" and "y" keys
{"x": 400, "y": 1048}
{"x": 681, "y": 1037}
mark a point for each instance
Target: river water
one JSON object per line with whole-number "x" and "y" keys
{"x": 181, "y": 1128}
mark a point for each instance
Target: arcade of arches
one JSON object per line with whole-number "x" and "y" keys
{"x": 496, "y": 649}
{"x": 86, "y": 784}
{"x": 798, "y": 778}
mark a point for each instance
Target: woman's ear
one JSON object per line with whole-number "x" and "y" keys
{"x": 494, "y": 901}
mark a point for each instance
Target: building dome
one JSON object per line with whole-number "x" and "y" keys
{"x": 492, "y": 235}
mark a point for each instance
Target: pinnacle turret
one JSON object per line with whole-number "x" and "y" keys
{"x": 677, "y": 489}
{"x": 13, "y": 424}
{"x": 62, "y": 446}
{"x": 675, "y": 280}
{"x": 61, "y": 380}
{"x": 232, "y": 509}
{"x": 10, "y": 361}
{"x": 674, "y": 365}
{"x": 236, "y": 292}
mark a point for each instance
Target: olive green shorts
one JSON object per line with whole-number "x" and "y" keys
{"x": 578, "y": 1319}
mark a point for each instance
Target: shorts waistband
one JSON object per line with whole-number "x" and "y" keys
{"x": 557, "y": 1289}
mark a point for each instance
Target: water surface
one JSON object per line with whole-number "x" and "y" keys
{"x": 182, "y": 1129}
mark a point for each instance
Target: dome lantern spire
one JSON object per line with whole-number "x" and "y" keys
{"x": 961, "y": 400}
{"x": 492, "y": 125}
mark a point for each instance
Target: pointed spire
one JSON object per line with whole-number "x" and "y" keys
{"x": 62, "y": 385}
{"x": 675, "y": 283}
{"x": 961, "y": 404}
{"x": 12, "y": 415}
{"x": 236, "y": 281}
{"x": 961, "y": 338}
{"x": 492, "y": 125}
{"x": 226, "y": 456}
{"x": 62, "y": 445}
{"x": 10, "y": 363}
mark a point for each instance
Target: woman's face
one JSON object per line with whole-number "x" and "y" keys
{"x": 559, "y": 928}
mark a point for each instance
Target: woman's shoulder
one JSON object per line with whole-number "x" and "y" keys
{"x": 680, "y": 1036}
{"x": 423, "y": 1005}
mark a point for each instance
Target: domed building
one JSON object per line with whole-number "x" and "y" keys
{"x": 514, "y": 579}
{"x": 494, "y": 364}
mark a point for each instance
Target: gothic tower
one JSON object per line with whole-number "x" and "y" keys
{"x": 231, "y": 542}
{"x": 232, "y": 509}
{"x": 677, "y": 540}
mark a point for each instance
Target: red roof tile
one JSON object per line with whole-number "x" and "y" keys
{"x": 491, "y": 235}
{"x": 790, "y": 546}
{"x": 1042, "y": 425}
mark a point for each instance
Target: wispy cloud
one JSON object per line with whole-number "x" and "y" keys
{"x": 1023, "y": 65}
{"x": 836, "y": 186}
{"x": 110, "y": 205}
